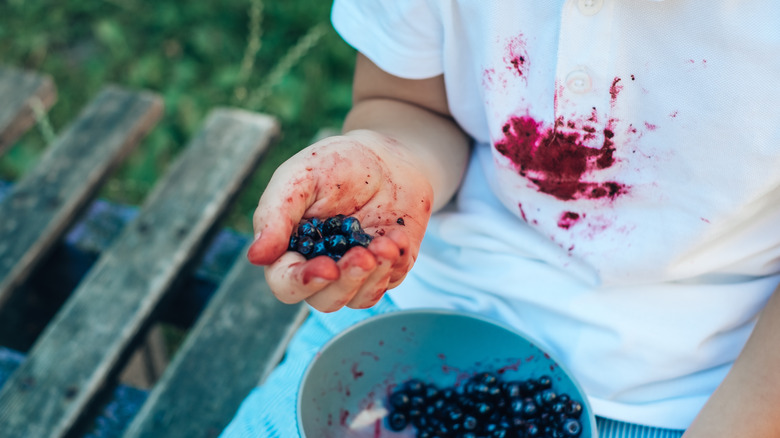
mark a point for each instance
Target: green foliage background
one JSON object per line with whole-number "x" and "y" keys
{"x": 191, "y": 53}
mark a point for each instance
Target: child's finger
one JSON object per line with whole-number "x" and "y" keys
{"x": 387, "y": 253}
{"x": 355, "y": 267}
{"x": 278, "y": 213}
{"x": 402, "y": 265}
{"x": 293, "y": 279}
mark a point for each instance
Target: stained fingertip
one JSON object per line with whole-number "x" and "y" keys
{"x": 317, "y": 268}
{"x": 365, "y": 302}
{"x": 384, "y": 247}
{"x": 359, "y": 258}
{"x": 257, "y": 255}
{"x": 266, "y": 248}
{"x": 400, "y": 238}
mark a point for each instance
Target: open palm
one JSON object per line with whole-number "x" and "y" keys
{"x": 358, "y": 175}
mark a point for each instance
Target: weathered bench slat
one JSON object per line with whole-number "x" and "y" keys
{"x": 43, "y": 204}
{"x": 88, "y": 339}
{"x": 20, "y": 90}
{"x": 235, "y": 343}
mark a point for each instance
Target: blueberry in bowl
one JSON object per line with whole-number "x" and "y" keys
{"x": 437, "y": 373}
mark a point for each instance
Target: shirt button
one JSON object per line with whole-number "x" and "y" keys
{"x": 589, "y": 7}
{"x": 578, "y": 81}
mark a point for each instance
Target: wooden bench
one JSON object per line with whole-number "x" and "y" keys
{"x": 238, "y": 338}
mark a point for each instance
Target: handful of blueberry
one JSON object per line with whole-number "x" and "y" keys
{"x": 331, "y": 237}
{"x": 485, "y": 406}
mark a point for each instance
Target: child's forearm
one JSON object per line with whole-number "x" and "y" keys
{"x": 416, "y": 114}
{"x": 746, "y": 403}
{"x": 431, "y": 142}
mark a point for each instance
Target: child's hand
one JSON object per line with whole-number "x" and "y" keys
{"x": 361, "y": 174}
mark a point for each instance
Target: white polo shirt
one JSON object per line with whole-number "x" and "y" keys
{"x": 622, "y": 203}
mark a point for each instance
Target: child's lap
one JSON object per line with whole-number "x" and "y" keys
{"x": 270, "y": 410}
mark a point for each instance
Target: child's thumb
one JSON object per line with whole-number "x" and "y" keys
{"x": 274, "y": 221}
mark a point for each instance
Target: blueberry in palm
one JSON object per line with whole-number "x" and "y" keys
{"x": 332, "y": 225}
{"x": 350, "y": 225}
{"x": 331, "y": 237}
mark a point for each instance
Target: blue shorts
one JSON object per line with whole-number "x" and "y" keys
{"x": 270, "y": 410}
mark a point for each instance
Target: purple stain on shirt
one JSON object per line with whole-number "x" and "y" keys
{"x": 557, "y": 163}
{"x": 568, "y": 219}
{"x": 516, "y": 57}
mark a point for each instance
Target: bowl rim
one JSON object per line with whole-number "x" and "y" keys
{"x": 442, "y": 312}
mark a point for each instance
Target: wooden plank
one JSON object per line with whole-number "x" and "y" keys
{"x": 19, "y": 91}
{"x": 240, "y": 337}
{"x": 47, "y": 200}
{"x": 85, "y": 344}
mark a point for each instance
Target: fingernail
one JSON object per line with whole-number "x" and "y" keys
{"x": 257, "y": 236}
{"x": 355, "y": 271}
{"x": 314, "y": 279}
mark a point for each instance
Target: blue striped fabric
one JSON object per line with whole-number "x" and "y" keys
{"x": 270, "y": 410}
{"x": 618, "y": 429}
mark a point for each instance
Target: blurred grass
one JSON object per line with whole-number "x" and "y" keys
{"x": 196, "y": 55}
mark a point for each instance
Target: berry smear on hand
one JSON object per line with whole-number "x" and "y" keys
{"x": 330, "y": 237}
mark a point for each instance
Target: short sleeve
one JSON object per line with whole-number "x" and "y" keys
{"x": 402, "y": 37}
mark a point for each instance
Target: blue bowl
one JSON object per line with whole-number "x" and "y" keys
{"x": 345, "y": 388}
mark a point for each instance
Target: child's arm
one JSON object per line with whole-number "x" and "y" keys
{"x": 746, "y": 402}
{"x": 401, "y": 156}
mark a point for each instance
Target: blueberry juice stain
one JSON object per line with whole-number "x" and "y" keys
{"x": 557, "y": 162}
{"x": 568, "y": 219}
